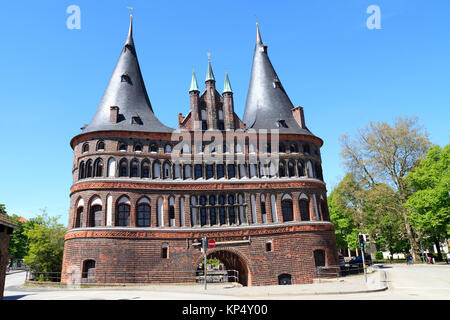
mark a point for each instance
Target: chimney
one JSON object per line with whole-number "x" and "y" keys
{"x": 114, "y": 114}
{"x": 299, "y": 116}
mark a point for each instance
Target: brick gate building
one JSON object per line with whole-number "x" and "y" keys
{"x": 144, "y": 194}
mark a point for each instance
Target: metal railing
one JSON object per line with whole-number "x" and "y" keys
{"x": 138, "y": 277}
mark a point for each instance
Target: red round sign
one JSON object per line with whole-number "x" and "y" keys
{"x": 211, "y": 244}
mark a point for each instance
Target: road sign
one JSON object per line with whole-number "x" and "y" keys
{"x": 211, "y": 243}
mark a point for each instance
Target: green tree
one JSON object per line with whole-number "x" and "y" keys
{"x": 343, "y": 206}
{"x": 18, "y": 244}
{"x": 46, "y": 244}
{"x": 382, "y": 153}
{"x": 2, "y": 208}
{"x": 430, "y": 202}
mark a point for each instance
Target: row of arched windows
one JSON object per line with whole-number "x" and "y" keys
{"x": 205, "y": 210}
{"x": 156, "y": 169}
{"x": 238, "y": 148}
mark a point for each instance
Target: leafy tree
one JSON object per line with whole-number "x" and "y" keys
{"x": 343, "y": 209}
{"x": 18, "y": 244}
{"x": 382, "y": 153}
{"x": 2, "y": 208}
{"x": 430, "y": 202}
{"x": 46, "y": 244}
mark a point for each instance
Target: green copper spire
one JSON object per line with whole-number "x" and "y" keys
{"x": 227, "y": 86}
{"x": 194, "y": 86}
{"x": 209, "y": 73}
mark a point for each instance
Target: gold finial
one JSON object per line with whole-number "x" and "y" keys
{"x": 131, "y": 10}
{"x": 257, "y": 24}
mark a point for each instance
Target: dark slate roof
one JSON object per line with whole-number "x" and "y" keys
{"x": 130, "y": 96}
{"x": 267, "y": 102}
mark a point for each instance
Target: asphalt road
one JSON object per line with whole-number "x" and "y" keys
{"x": 424, "y": 282}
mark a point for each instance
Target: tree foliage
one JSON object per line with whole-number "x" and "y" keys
{"x": 430, "y": 202}
{"x": 384, "y": 154}
{"x": 46, "y": 244}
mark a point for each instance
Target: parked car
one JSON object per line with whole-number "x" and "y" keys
{"x": 358, "y": 261}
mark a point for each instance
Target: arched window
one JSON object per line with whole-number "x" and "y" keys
{"x": 166, "y": 171}
{"x": 186, "y": 149}
{"x": 145, "y": 169}
{"x": 168, "y": 148}
{"x": 198, "y": 171}
{"x": 111, "y": 167}
{"x": 306, "y": 149}
{"x": 231, "y": 171}
{"x": 286, "y": 208}
{"x": 231, "y": 210}
{"x": 281, "y": 148}
{"x": 319, "y": 171}
{"x": 89, "y": 168}
{"x": 253, "y": 170}
{"x": 291, "y": 168}
{"x": 212, "y": 211}
{"x": 293, "y": 148}
{"x": 285, "y": 279}
{"x": 300, "y": 169}
{"x": 222, "y": 213}
{"x": 98, "y": 168}
{"x": 81, "y": 171}
{"x": 95, "y": 214}
{"x": 123, "y": 168}
{"x": 123, "y": 212}
{"x": 242, "y": 218}
{"x": 85, "y": 147}
{"x": 137, "y": 148}
{"x": 172, "y": 211}
{"x": 134, "y": 169}
{"x": 88, "y": 271}
{"x": 100, "y": 146}
{"x": 319, "y": 258}
{"x": 153, "y": 147}
{"x": 203, "y": 210}
{"x": 187, "y": 171}
{"x": 271, "y": 169}
{"x": 263, "y": 209}
{"x": 304, "y": 209}
{"x": 220, "y": 171}
{"x": 282, "y": 169}
{"x": 143, "y": 214}
{"x": 156, "y": 170}
{"x": 209, "y": 171}
{"x": 78, "y": 214}
{"x": 122, "y": 146}
{"x": 194, "y": 211}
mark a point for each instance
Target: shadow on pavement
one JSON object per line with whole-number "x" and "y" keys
{"x": 17, "y": 297}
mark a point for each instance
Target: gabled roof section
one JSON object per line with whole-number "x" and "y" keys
{"x": 126, "y": 90}
{"x": 268, "y": 106}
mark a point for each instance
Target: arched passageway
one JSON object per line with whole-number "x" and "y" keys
{"x": 232, "y": 261}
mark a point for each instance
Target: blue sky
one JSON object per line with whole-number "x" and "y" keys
{"x": 343, "y": 74}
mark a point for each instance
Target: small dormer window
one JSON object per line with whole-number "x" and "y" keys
{"x": 281, "y": 124}
{"x": 125, "y": 78}
{"x": 276, "y": 83}
{"x": 136, "y": 120}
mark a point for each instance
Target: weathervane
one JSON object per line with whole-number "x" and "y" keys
{"x": 131, "y": 11}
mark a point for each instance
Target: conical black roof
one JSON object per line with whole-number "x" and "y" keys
{"x": 126, "y": 90}
{"x": 268, "y": 106}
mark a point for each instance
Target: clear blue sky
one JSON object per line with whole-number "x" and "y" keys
{"x": 342, "y": 73}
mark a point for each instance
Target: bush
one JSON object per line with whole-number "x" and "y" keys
{"x": 378, "y": 255}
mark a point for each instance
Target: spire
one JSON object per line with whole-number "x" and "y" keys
{"x": 268, "y": 106}
{"x": 209, "y": 73}
{"x": 126, "y": 91}
{"x": 227, "y": 86}
{"x": 194, "y": 86}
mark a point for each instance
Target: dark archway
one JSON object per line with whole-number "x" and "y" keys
{"x": 232, "y": 261}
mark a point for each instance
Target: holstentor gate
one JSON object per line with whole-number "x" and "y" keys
{"x": 144, "y": 194}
